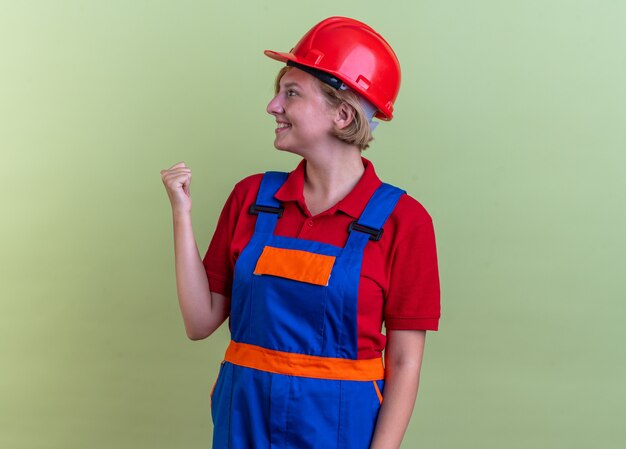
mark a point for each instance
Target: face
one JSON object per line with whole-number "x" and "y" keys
{"x": 304, "y": 118}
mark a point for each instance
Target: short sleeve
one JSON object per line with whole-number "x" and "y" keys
{"x": 413, "y": 299}
{"x": 219, "y": 261}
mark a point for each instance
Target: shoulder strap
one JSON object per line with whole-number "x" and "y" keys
{"x": 271, "y": 182}
{"x": 266, "y": 206}
{"x": 377, "y": 210}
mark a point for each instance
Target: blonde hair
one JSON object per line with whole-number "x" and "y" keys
{"x": 358, "y": 132}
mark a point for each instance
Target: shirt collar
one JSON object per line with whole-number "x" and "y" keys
{"x": 354, "y": 202}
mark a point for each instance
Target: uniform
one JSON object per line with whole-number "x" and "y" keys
{"x": 304, "y": 367}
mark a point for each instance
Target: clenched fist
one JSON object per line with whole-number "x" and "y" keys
{"x": 177, "y": 180}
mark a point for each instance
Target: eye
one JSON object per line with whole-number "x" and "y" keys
{"x": 291, "y": 93}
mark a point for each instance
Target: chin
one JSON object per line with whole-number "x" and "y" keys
{"x": 285, "y": 148}
{"x": 279, "y": 148}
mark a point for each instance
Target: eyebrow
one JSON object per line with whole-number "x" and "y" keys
{"x": 291, "y": 84}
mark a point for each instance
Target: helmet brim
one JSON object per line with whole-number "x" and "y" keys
{"x": 280, "y": 56}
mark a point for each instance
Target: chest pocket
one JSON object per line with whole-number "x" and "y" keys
{"x": 288, "y": 299}
{"x": 302, "y": 266}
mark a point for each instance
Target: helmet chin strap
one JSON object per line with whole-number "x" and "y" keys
{"x": 370, "y": 110}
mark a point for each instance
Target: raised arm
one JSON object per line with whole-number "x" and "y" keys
{"x": 203, "y": 311}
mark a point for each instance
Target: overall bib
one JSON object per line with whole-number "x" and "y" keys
{"x": 290, "y": 377}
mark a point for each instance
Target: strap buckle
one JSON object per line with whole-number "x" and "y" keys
{"x": 256, "y": 208}
{"x": 375, "y": 234}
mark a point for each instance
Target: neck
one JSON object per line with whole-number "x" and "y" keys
{"x": 331, "y": 176}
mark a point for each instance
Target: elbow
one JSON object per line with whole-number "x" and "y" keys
{"x": 410, "y": 368}
{"x": 200, "y": 333}
{"x": 200, "y": 328}
{"x": 196, "y": 334}
{"x": 196, "y": 337}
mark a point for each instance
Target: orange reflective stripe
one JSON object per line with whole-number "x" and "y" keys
{"x": 303, "y": 365}
{"x": 295, "y": 264}
{"x": 378, "y": 393}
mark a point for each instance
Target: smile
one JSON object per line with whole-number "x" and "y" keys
{"x": 282, "y": 126}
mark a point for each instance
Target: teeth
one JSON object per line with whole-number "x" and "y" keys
{"x": 283, "y": 125}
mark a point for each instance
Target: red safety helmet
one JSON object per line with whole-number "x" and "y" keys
{"x": 356, "y": 54}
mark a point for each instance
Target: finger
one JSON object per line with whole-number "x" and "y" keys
{"x": 176, "y": 179}
{"x": 180, "y": 164}
{"x": 171, "y": 175}
{"x": 177, "y": 171}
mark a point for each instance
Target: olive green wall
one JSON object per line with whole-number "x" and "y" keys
{"x": 509, "y": 128}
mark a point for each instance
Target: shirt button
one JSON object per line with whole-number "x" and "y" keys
{"x": 310, "y": 223}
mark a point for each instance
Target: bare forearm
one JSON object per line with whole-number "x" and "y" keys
{"x": 403, "y": 360}
{"x": 399, "y": 399}
{"x": 194, "y": 296}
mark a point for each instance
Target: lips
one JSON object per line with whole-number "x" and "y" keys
{"x": 282, "y": 126}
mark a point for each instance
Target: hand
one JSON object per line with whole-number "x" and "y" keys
{"x": 177, "y": 180}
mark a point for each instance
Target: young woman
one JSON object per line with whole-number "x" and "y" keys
{"x": 308, "y": 265}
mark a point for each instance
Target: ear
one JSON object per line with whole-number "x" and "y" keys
{"x": 344, "y": 115}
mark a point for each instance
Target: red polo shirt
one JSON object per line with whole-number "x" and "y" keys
{"x": 399, "y": 278}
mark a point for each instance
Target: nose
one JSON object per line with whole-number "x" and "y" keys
{"x": 275, "y": 106}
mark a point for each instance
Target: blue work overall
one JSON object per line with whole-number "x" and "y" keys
{"x": 290, "y": 378}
